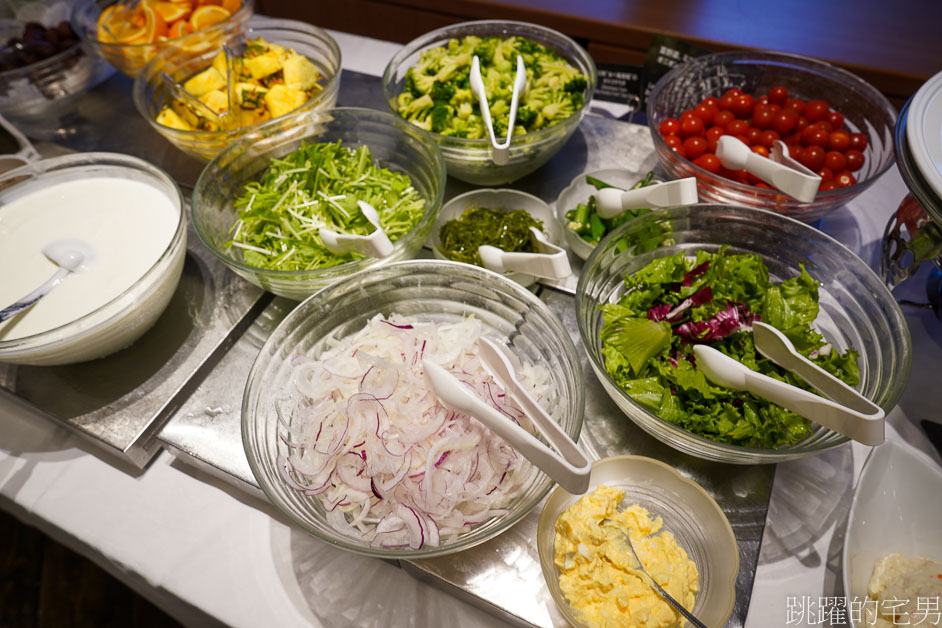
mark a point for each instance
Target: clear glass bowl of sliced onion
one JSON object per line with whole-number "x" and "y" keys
{"x": 344, "y": 436}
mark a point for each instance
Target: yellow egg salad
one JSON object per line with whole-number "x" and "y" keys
{"x": 267, "y": 81}
{"x": 598, "y": 575}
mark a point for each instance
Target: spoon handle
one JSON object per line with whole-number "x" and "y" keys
{"x": 15, "y": 308}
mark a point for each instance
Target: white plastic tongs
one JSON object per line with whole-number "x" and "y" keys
{"x": 779, "y": 170}
{"x": 376, "y": 244}
{"x": 845, "y": 410}
{"x": 565, "y": 463}
{"x": 500, "y": 153}
{"x": 613, "y": 201}
{"x": 550, "y": 262}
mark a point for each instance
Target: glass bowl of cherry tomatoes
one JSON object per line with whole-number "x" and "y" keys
{"x": 833, "y": 122}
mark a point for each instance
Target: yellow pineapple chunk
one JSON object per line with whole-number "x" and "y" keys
{"x": 250, "y": 95}
{"x": 169, "y": 117}
{"x": 281, "y": 100}
{"x": 217, "y": 100}
{"x": 219, "y": 63}
{"x": 206, "y": 81}
{"x": 264, "y": 65}
{"x": 299, "y": 72}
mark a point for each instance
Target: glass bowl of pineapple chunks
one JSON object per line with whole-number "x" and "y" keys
{"x": 203, "y": 100}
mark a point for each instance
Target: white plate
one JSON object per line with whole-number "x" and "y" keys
{"x": 896, "y": 508}
{"x": 922, "y": 131}
{"x": 505, "y": 199}
{"x": 578, "y": 191}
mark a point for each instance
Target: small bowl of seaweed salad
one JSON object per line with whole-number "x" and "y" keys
{"x": 495, "y": 217}
{"x": 260, "y": 203}
{"x": 676, "y": 277}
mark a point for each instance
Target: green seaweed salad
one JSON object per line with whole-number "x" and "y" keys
{"x": 319, "y": 185}
{"x": 437, "y": 97}
{"x": 677, "y": 301}
{"x": 459, "y": 238}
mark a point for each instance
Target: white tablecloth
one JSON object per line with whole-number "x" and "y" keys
{"x": 206, "y": 553}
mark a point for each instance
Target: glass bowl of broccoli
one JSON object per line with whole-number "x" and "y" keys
{"x": 426, "y": 83}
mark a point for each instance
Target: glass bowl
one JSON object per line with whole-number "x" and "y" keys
{"x": 131, "y": 58}
{"x": 856, "y": 308}
{"x": 150, "y": 92}
{"x": 688, "y": 512}
{"x": 39, "y": 98}
{"x": 865, "y": 110}
{"x": 470, "y": 159}
{"x": 436, "y": 290}
{"x": 394, "y": 144}
{"x": 119, "y": 322}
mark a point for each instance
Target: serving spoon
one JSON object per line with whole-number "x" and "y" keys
{"x": 613, "y": 201}
{"x": 779, "y": 170}
{"x": 500, "y": 152}
{"x": 549, "y": 262}
{"x": 376, "y": 244}
{"x": 69, "y": 256}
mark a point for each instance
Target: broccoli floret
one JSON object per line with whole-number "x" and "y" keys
{"x": 529, "y": 47}
{"x": 561, "y": 107}
{"x": 450, "y": 66}
{"x": 575, "y": 84}
{"x": 440, "y": 116}
{"x": 526, "y": 117}
{"x": 485, "y": 50}
{"x": 409, "y": 86}
{"x": 423, "y": 83}
{"x": 418, "y": 108}
{"x": 442, "y": 92}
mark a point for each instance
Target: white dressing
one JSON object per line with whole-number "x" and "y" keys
{"x": 128, "y": 225}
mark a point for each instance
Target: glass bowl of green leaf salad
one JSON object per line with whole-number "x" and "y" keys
{"x": 262, "y": 203}
{"x": 427, "y": 84}
{"x": 668, "y": 280}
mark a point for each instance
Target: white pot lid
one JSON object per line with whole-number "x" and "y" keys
{"x": 924, "y": 132}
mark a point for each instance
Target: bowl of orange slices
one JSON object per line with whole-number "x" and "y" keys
{"x": 129, "y": 33}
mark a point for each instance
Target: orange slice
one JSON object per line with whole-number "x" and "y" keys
{"x": 207, "y": 15}
{"x": 117, "y": 27}
{"x": 154, "y": 24}
{"x": 173, "y": 11}
{"x": 181, "y": 28}
{"x": 231, "y": 5}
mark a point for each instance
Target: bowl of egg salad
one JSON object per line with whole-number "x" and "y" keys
{"x": 680, "y": 535}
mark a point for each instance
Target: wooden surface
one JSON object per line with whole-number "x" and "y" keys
{"x": 895, "y": 45}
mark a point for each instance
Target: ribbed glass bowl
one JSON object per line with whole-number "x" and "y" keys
{"x": 435, "y": 290}
{"x": 856, "y": 308}
{"x": 131, "y": 58}
{"x": 865, "y": 110}
{"x": 470, "y": 159}
{"x": 394, "y": 143}
{"x": 151, "y": 93}
{"x": 688, "y": 512}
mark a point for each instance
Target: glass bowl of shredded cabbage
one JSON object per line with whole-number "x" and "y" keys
{"x": 426, "y": 83}
{"x": 665, "y": 281}
{"x": 345, "y": 437}
{"x": 260, "y": 204}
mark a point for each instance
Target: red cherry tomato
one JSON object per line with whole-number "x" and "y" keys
{"x": 759, "y": 149}
{"x": 813, "y": 157}
{"x": 712, "y": 101}
{"x": 785, "y": 121}
{"x": 674, "y": 142}
{"x": 858, "y": 141}
{"x": 727, "y": 100}
{"x": 812, "y": 136}
{"x": 669, "y": 126}
{"x": 735, "y": 91}
{"x": 715, "y": 132}
{"x": 768, "y": 137}
{"x": 710, "y": 163}
{"x": 737, "y": 127}
{"x": 743, "y": 139}
{"x": 778, "y": 95}
{"x": 836, "y": 118}
{"x": 855, "y": 160}
{"x": 763, "y": 117}
{"x": 691, "y": 125}
{"x": 743, "y": 106}
{"x": 754, "y": 135}
{"x": 762, "y": 101}
{"x": 723, "y": 118}
{"x": 835, "y": 160}
{"x": 827, "y": 186}
{"x": 695, "y": 146}
{"x": 816, "y": 110}
{"x": 826, "y": 174}
{"x": 839, "y": 140}
{"x": 688, "y": 113}
{"x": 705, "y": 113}
{"x": 824, "y": 124}
{"x": 844, "y": 179}
{"x": 795, "y": 104}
